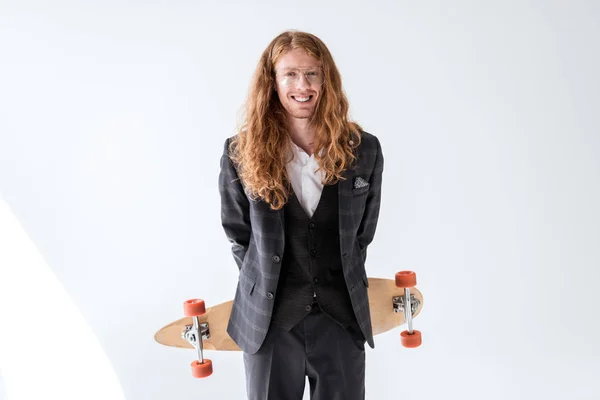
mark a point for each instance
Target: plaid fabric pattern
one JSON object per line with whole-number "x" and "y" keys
{"x": 257, "y": 238}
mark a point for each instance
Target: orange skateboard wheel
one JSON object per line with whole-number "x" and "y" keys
{"x": 411, "y": 341}
{"x": 406, "y": 279}
{"x": 194, "y": 308}
{"x": 202, "y": 370}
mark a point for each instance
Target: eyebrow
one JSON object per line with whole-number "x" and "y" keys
{"x": 311, "y": 66}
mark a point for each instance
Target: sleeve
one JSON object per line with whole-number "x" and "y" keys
{"x": 235, "y": 208}
{"x": 368, "y": 224}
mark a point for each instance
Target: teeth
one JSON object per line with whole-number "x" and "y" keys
{"x": 302, "y": 99}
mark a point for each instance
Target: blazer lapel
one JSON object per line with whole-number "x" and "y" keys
{"x": 344, "y": 210}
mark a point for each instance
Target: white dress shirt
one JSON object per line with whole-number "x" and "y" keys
{"x": 304, "y": 178}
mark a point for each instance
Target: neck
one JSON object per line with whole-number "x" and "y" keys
{"x": 302, "y": 134}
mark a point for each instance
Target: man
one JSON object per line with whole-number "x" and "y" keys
{"x": 300, "y": 192}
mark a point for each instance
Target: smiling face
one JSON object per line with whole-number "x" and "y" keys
{"x": 299, "y": 97}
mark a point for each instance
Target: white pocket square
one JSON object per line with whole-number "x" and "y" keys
{"x": 360, "y": 183}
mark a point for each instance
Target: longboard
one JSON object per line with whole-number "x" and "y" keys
{"x": 387, "y": 300}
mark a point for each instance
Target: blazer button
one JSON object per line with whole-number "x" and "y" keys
{"x": 311, "y": 225}
{"x": 269, "y": 295}
{"x": 308, "y": 308}
{"x": 276, "y": 259}
{"x": 313, "y": 253}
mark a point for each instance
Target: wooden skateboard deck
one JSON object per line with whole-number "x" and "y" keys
{"x": 382, "y": 294}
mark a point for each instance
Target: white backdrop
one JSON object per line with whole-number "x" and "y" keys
{"x": 113, "y": 116}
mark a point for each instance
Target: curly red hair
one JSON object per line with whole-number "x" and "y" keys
{"x": 261, "y": 148}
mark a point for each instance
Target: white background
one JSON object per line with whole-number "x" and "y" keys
{"x": 113, "y": 116}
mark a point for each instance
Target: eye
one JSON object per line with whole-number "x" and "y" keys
{"x": 313, "y": 73}
{"x": 290, "y": 73}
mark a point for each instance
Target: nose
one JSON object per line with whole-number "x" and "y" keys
{"x": 302, "y": 82}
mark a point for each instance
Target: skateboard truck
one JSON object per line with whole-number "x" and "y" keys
{"x": 190, "y": 334}
{"x": 407, "y": 279}
{"x": 398, "y": 303}
{"x": 194, "y": 334}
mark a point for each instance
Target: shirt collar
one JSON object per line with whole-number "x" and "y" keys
{"x": 299, "y": 154}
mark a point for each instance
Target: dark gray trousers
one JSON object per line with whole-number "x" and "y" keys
{"x": 332, "y": 357}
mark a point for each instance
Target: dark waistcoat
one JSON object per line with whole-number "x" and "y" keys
{"x": 312, "y": 264}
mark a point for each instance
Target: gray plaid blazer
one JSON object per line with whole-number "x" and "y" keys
{"x": 257, "y": 236}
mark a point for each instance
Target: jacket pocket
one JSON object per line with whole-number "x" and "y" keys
{"x": 365, "y": 280}
{"x": 247, "y": 282}
{"x": 359, "y": 191}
